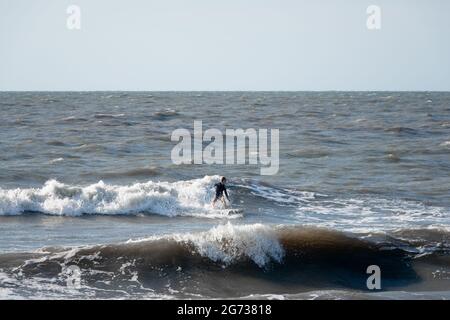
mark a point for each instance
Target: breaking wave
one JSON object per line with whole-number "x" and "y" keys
{"x": 227, "y": 260}
{"x": 182, "y": 198}
{"x": 227, "y": 243}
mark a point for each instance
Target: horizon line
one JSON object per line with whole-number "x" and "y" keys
{"x": 287, "y": 91}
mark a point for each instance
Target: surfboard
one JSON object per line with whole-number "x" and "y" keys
{"x": 230, "y": 211}
{"x": 235, "y": 211}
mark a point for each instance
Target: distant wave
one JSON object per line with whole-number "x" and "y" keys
{"x": 56, "y": 143}
{"x": 56, "y": 160}
{"x": 165, "y": 114}
{"x": 108, "y": 115}
{"x": 309, "y": 153}
{"x": 74, "y": 119}
{"x": 402, "y": 130}
{"x": 135, "y": 172}
{"x": 182, "y": 198}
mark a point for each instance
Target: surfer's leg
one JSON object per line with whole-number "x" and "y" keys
{"x": 213, "y": 203}
{"x": 224, "y": 203}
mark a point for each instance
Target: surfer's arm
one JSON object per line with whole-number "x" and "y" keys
{"x": 215, "y": 196}
{"x": 226, "y": 193}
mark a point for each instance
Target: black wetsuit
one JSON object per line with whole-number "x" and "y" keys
{"x": 220, "y": 189}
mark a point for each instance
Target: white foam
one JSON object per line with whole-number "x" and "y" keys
{"x": 110, "y": 115}
{"x": 56, "y": 160}
{"x": 190, "y": 198}
{"x": 280, "y": 195}
{"x": 372, "y": 214}
{"x": 227, "y": 242}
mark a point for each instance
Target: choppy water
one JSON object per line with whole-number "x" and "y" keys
{"x": 86, "y": 180}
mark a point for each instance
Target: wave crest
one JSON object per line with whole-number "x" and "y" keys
{"x": 226, "y": 243}
{"x": 190, "y": 198}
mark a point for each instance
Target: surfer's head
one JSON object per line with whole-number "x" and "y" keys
{"x": 223, "y": 180}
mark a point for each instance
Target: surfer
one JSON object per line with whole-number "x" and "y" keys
{"x": 220, "y": 191}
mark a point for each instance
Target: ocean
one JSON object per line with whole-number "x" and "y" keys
{"x": 92, "y": 206}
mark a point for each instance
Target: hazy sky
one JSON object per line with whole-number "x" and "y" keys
{"x": 224, "y": 45}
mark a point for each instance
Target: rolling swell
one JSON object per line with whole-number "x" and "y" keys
{"x": 226, "y": 261}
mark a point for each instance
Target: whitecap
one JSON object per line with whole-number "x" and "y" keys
{"x": 180, "y": 198}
